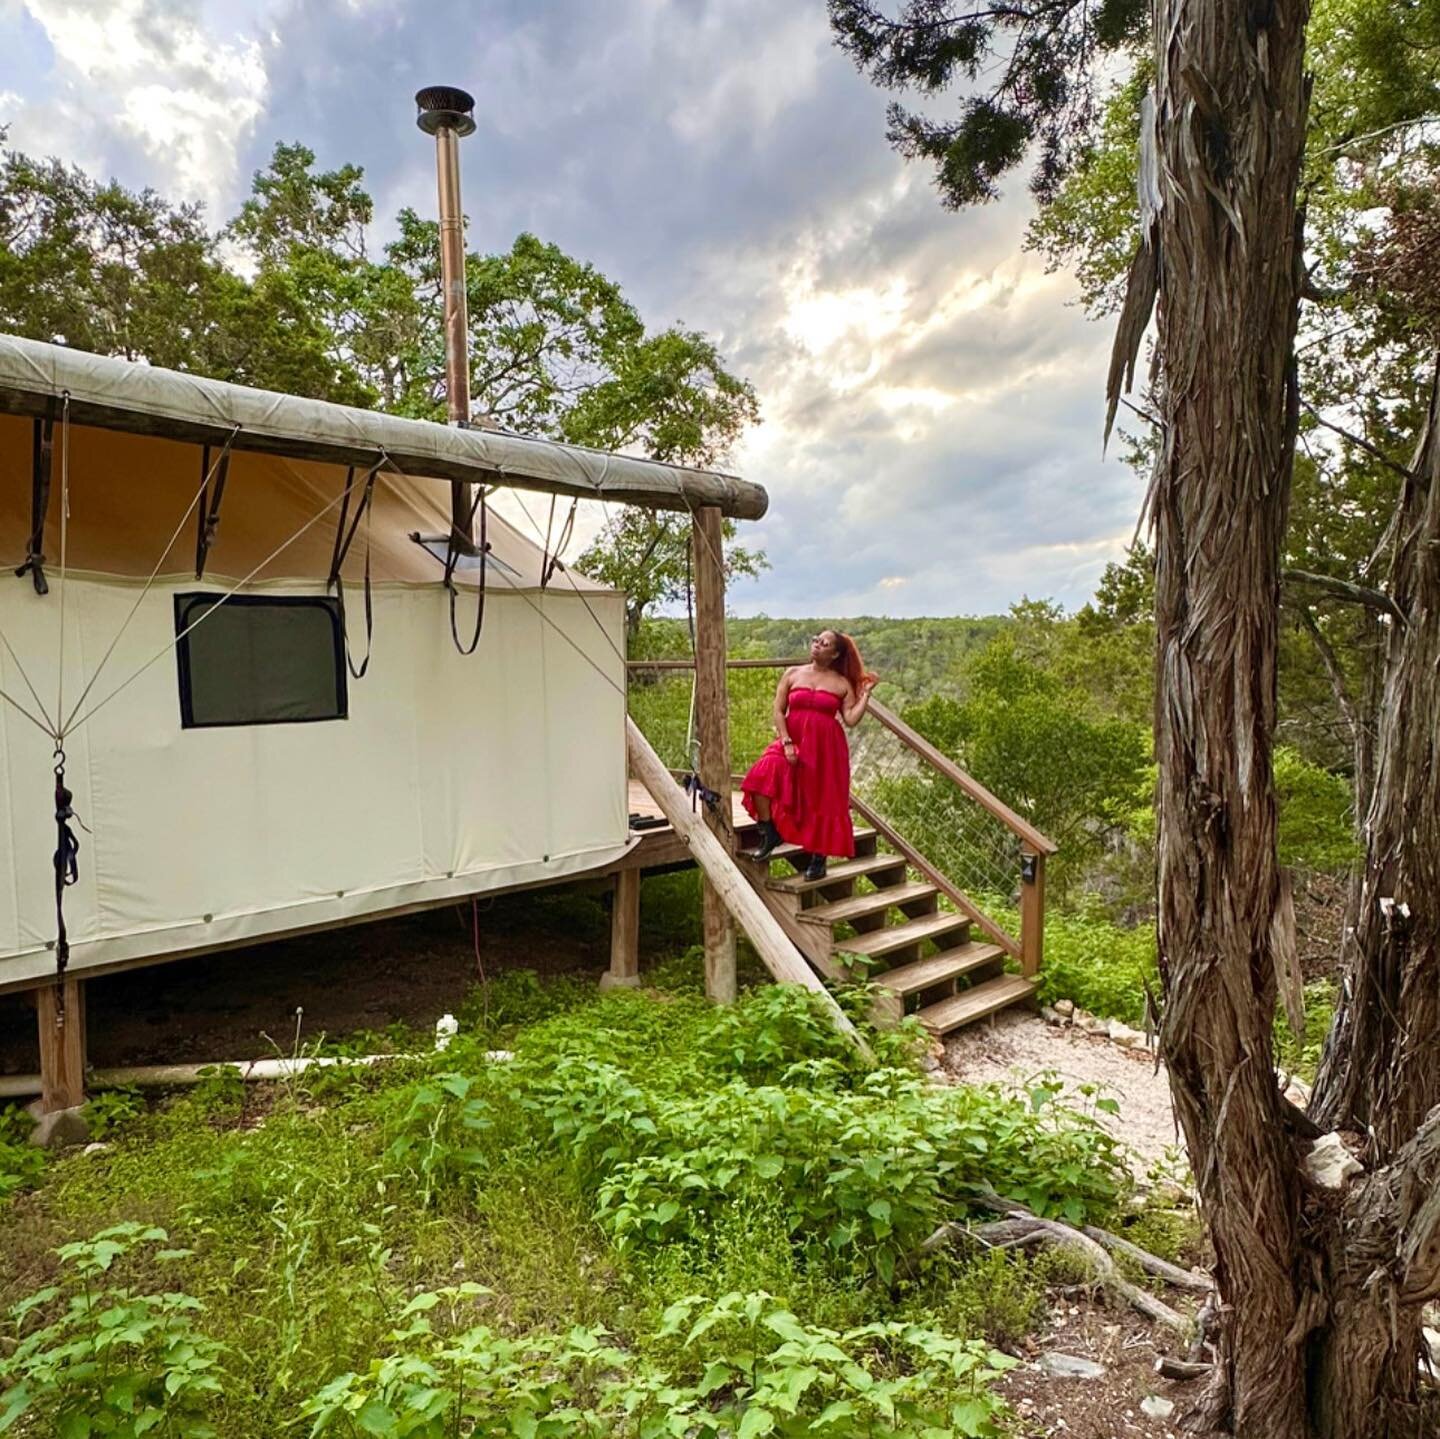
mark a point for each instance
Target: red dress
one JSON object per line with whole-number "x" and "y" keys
{"x": 809, "y": 800}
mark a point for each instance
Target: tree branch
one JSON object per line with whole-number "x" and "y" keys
{"x": 1360, "y": 442}
{"x": 1331, "y": 661}
{"x": 1022, "y": 1229}
{"x": 1345, "y": 590}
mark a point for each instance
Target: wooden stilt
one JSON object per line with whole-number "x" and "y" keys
{"x": 624, "y": 971}
{"x": 712, "y": 724}
{"x": 62, "y": 1046}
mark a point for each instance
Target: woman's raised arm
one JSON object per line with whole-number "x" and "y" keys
{"x": 854, "y": 705}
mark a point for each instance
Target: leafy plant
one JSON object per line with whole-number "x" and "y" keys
{"x": 88, "y": 1357}
{"x": 112, "y": 1110}
{"x": 21, "y": 1163}
{"x": 220, "y": 1089}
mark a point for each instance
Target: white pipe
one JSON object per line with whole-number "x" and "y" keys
{"x": 166, "y": 1076}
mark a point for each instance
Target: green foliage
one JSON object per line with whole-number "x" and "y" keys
{"x": 1041, "y": 745}
{"x": 997, "y": 1293}
{"x": 87, "y": 1356}
{"x": 1102, "y": 966}
{"x": 1028, "y": 79}
{"x": 111, "y": 1110}
{"x": 1316, "y": 828}
{"x": 740, "y": 1365}
{"x": 21, "y": 1162}
{"x": 548, "y": 1211}
{"x": 220, "y": 1090}
{"x": 1301, "y": 1054}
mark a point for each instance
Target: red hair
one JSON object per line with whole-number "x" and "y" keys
{"x": 848, "y": 661}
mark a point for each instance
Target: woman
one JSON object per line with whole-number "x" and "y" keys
{"x": 799, "y": 789}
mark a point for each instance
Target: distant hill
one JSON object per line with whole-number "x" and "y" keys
{"x": 914, "y": 657}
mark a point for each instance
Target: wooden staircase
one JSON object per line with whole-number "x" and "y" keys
{"x": 887, "y": 917}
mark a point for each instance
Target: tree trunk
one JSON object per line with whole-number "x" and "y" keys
{"x": 1231, "y": 101}
{"x": 1381, "y": 1070}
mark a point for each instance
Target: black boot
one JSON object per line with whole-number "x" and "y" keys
{"x": 815, "y": 869}
{"x": 769, "y": 840}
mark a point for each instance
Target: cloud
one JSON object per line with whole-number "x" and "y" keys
{"x": 932, "y": 404}
{"x": 142, "y": 87}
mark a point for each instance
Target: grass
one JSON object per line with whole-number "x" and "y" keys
{"x": 652, "y": 1196}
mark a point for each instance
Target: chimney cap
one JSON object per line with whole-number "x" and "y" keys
{"x": 443, "y": 107}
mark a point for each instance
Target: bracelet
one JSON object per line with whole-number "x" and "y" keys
{"x": 787, "y": 744}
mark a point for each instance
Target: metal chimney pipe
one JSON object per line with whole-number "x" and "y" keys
{"x": 449, "y": 114}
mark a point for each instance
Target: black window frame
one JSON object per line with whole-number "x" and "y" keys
{"x": 185, "y": 619}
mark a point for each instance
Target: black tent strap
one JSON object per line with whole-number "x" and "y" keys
{"x": 343, "y": 540}
{"x": 452, "y": 558}
{"x": 67, "y": 871}
{"x": 207, "y": 514}
{"x": 41, "y": 458}
{"x": 550, "y": 560}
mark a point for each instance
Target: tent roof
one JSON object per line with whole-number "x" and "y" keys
{"x": 129, "y": 494}
{"x": 119, "y": 394}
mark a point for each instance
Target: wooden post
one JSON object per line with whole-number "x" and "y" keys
{"x": 62, "y": 1047}
{"x": 624, "y": 971}
{"x": 780, "y": 957}
{"x": 1032, "y": 912}
{"x": 712, "y": 726}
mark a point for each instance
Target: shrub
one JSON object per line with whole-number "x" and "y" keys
{"x": 95, "y": 1358}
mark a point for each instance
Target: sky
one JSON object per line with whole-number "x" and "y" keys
{"x": 931, "y": 400}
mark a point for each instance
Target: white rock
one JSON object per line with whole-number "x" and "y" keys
{"x": 1065, "y": 1008}
{"x": 1156, "y": 1407}
{"x": 1050, "y": 1016}
{"x": 1432, "y": 1340}
{"x": 1089, "y": 1023}
{"x": 1124, "y": 1036}
{"x": 1329, "y": 1164}
{"x": 1298, "y": 1095}
{"x": 96, "y": 1148}
{"x": 1070, "y": 1366}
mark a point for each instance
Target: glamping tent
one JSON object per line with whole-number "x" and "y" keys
{"x": 239, "y": 619}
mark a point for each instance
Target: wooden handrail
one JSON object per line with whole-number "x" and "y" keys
{"x": 1025, "y": 832}
{"x": 937, "y": 877}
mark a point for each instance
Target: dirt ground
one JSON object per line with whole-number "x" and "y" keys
{"x": 412, "y": 970}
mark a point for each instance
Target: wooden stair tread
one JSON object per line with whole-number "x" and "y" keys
{"x": 976, "y": 1003}
{"x": 923, "y": 973}
{"x": 781, "y": 851}
{"x": 850, "y": 869}
{"x": 897, "y": 936}
{"x": 841, "y": 911}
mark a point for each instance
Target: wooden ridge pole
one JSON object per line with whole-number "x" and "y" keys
{"x": 780, "y": 957}
{"x": 712, "y": 724}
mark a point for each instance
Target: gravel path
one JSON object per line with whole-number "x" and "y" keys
{"x": 1015, "y": 1047}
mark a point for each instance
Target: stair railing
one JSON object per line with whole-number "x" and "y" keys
{"x": 980, "y": 854}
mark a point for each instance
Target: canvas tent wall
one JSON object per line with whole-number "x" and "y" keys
{"x": 448, "y": 776}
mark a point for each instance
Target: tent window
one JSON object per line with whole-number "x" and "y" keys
{"x": 260, "y": 660}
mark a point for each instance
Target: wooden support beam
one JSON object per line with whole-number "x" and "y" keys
{"x": 712, "y": 726}
{"x": 780, "y": 957}
{"x": 1032, "y": 913}
{"x": 62, "y": 1046}
{"x": 624, "y": 971}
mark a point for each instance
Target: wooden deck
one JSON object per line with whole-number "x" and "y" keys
{"x": 661, "y": 847}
